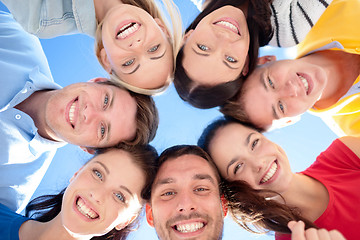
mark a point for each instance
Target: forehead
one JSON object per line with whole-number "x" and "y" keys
{"x": 257, "y": 98}
{"x": 227, "y": 140}
{"x": 184, "y": 167}
{"x": 120, "y": 168}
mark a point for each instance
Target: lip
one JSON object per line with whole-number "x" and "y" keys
{"x": 190, "y": 234}
{"x": 274, "y": 177}
{"x": 309, "y": 80}
{"x": 229, "y": 20}
{"x": 67, "y": 110}
{"x": 124, "y": 23}
{"x": 76, "y": 210}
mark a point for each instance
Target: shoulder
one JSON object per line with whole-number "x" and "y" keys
{"x": 353, "y": 143}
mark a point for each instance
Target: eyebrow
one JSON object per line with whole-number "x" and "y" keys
{"x": 164, "y": 181}
{"x": 201, "y": 54}
{"x": 274, "y": 113}
{"x": 154, "y": 58}
{"x": 204, "y": 177}
{"x": 137, "y": 67}
{"x": 127, "y": 190}
{"x": 228, "y": 65}
{"x": 247, "y": 141}
{"x": 103, "y": 165}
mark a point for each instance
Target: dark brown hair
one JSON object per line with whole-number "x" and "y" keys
{"x": 47, "y": 207}
{"x": 260, "y": 30}
{"x": 249, "y": 207}
{"x": 180, "y": 150}
{"x": 253, "y": 211}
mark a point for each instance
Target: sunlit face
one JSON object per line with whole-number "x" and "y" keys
{"x": 241, "y": 153}
{"x": 91, "y": 114}
{"x": 216, "y": 50}
{"x": 185, "y": 200}
{"x": 282, "y": 89}
{"x": 103, "y": 194}
{"x": 136, "y": 47}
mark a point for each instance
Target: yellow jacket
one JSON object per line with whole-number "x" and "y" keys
{"x": 338, "y": 29}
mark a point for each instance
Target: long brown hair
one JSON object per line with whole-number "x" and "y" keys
{"x": 253, "y": 211}
{"x": 260, "y": 30}
{"x": 47, "y": 207}
{"x": 251, "y": 208}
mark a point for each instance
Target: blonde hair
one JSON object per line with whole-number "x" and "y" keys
{"x": 175, "y": 39}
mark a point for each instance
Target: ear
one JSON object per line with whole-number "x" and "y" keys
{"x": 224, "y": 205}
{"x": 265, "y": 59}
{"x": 162, "y": 26}
{"x": 245, "y": 70}
{"x": 88, "y": 149}
{"x": 105, "y": 61}
{"x": 123, "y": 225}
{"x": 98, "y": 79}
{"x": 149, "y": 215}
{"x": 188, "y": 34}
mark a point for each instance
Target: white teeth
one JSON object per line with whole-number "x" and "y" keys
{"x": 191, "y": 227}
{"x": 71, "y": 113}
{"x": 228, "y": 24}
{"x": 270, "y": 173}
{"x": 305, "y": 82}
{"x": 128, "y": 29}
{"x": 84, "y": 210}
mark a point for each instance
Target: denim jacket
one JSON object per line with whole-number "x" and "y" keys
{"x": 51, "y": 18}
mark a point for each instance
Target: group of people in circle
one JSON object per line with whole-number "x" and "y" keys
{"x": 187, "y": 190}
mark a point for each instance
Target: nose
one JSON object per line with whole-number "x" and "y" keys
{"x": 90, "y": 113}
{"x": 258, "y": 165}
{"x": 97, "y": 195}
{"x": 135, "y": 43}
{"x": 186, "y": 203}
{"x": 290, "y": 89}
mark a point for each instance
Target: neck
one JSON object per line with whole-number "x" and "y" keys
{"x": 308, "y": 195}
{"x": 102, "y": 7}
{"x": 338, "y": 80}
{"x": 35, "y": 107}
{"x": 52, "y": 230}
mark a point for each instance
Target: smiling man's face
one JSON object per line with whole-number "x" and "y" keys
{"x": 185, "y": 200}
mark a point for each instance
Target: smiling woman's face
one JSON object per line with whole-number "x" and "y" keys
{"x": 134, "y": 45}
{"x": 216, "y": 50}
{"x": 241, "y": 153}
{"x": 103, "y": 194}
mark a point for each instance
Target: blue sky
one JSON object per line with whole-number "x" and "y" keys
{"x": 72, "y": 59}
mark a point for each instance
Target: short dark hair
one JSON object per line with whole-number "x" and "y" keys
{"x": 180, "y": 150}
{"x": 260, "y": 30}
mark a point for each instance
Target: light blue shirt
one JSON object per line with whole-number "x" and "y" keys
{"x": 51, "y": 18}
{"x": 24, "y": 154}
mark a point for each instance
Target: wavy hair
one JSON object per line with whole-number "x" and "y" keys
{"x": 252, "y": 209}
